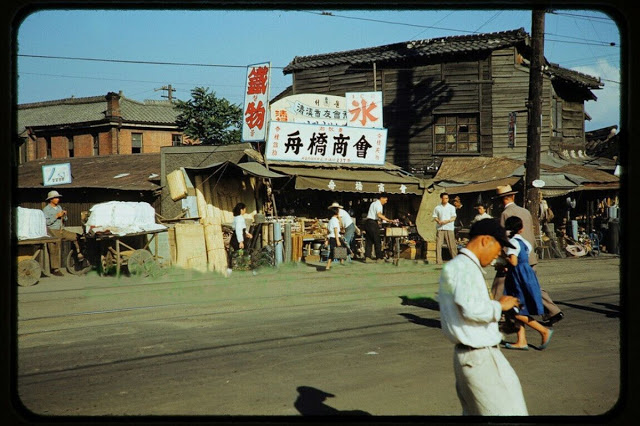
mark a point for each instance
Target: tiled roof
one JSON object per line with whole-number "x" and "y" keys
{"x": 124, "y": 172}
{"x": 433, "y": 48}
{"x": 92, "y": 109}
{"x": 411, "y": 49}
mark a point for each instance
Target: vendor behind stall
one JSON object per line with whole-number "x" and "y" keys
{"x": 55, "y": 217}
{"x": 372, "y": 228}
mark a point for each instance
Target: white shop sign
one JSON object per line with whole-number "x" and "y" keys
{"x": 364, "y": 109}
{"x": 325, "y": 144}
{"x": 311, "y": 108}
{"x": 56, "y": 174}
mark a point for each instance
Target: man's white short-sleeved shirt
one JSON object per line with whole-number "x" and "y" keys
{"x": 443, "y": 213}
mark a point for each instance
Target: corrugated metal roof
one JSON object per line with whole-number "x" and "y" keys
{"x": 98, "y": 172}
{"x": 476, "y": 169}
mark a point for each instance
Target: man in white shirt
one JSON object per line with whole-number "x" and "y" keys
{"x": 372, "y": 228}
{"x": 444, "y": 215}
{"x": 482, "y": 213}
{"x": 486, "y": 383}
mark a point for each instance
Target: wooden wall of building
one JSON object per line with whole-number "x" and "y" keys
{"x": 412, "y": 94}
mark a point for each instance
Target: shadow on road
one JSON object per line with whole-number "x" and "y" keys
{"x": 421, "y": 302}
{"x": 310, "y": 402}
{"x": 611, "y": 311}
{"x": 427, "y": 322}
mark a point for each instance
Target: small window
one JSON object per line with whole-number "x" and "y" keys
{"x": 48, "y": 143}
{"x": 136, "y": 143}
{"x": 70, "y": 146}
{"x": 96, "y": 145}
{"x": 456, "y": 134}
{"x": 176, "y": 140}
{"x": 556, "y": 116}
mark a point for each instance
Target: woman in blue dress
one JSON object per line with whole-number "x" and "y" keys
{"x": 522, "y": 282}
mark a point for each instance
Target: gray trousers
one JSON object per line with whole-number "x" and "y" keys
{"x": 486, "y": 383}
{"x": 497, "y": 290}
{"x": 450, "y": 238}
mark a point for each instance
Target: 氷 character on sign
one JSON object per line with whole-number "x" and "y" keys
{"x": 364, "y": 110}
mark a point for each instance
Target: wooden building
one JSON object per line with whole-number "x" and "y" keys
{"x": 95, "y": 126}
{"x": 454, "y": 96}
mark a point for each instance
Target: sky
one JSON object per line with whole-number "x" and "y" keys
{"x": 82, "y": 53}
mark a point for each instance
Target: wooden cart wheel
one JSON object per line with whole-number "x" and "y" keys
{"x": 140, "y": 262}
{"x": 107, "y": 263}
{"x": 28, "y": 272}
{"x": 75, "y": 266}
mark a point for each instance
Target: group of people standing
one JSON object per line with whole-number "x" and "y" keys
{"x": 486, "y": 383}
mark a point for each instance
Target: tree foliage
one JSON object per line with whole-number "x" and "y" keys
{"x": 209, "y": 119}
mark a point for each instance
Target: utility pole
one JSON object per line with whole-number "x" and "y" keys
{"x": 169, "y": 89}
{"x": 534, "y": 107}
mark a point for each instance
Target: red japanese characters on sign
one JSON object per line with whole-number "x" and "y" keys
{"x": 365, "y": 109}
{"x": 255, "y": 103}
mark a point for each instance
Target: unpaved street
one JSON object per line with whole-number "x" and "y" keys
{"x": 273, "y": 343}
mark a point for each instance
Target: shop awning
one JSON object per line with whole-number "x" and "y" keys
{"x": 353, "y": 180}
{"x": 252, "y": 168}
{"x": 479, "y": 186}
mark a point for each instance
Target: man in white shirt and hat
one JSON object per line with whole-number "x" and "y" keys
{"x": 55, "y": 217}
{"x": 486, "y": 383}
{"x": 346, "y": 222}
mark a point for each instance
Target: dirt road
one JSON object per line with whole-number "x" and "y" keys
{"x": 359, "y": 339}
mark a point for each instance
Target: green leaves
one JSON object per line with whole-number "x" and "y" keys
{"x": 209, "y": 119}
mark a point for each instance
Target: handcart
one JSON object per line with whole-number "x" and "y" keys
{"x": 33, "y": 260}
{"x": 106, "y": 252}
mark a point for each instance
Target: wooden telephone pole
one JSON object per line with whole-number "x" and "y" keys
{"x": 534, "y": 107}
{"x": 170, "y": 91}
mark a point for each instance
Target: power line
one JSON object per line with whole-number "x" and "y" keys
{"x": 599, "y": 43}
{"x": 124, "y": 61}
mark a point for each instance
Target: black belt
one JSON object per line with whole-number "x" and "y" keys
{"x": 471, "y": 348}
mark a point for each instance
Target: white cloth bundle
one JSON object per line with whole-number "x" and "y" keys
{"x": 31, "y": 224}
{"x": 122, "y": 217}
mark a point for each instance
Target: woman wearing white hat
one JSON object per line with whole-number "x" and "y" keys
{"x": 55, "y": 216}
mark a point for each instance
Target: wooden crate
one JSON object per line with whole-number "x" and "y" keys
{"x": 408, "y": 253}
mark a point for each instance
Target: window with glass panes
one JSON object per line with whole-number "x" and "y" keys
{"x": 176, "y": 140}
{"x": 136, "y": 143}
{"x": 456, "y": 134}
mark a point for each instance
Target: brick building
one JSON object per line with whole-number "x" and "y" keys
{"x": 93, "y": 126}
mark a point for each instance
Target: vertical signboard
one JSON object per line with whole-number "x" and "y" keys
{"x": 364, "y": 109}
{"x": 512, "y": 129}
{"x": 256, "y": 103}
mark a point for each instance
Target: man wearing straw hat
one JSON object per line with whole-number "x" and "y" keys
{"x": 55, "y": 217}
{"x": 553, "y": 313}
